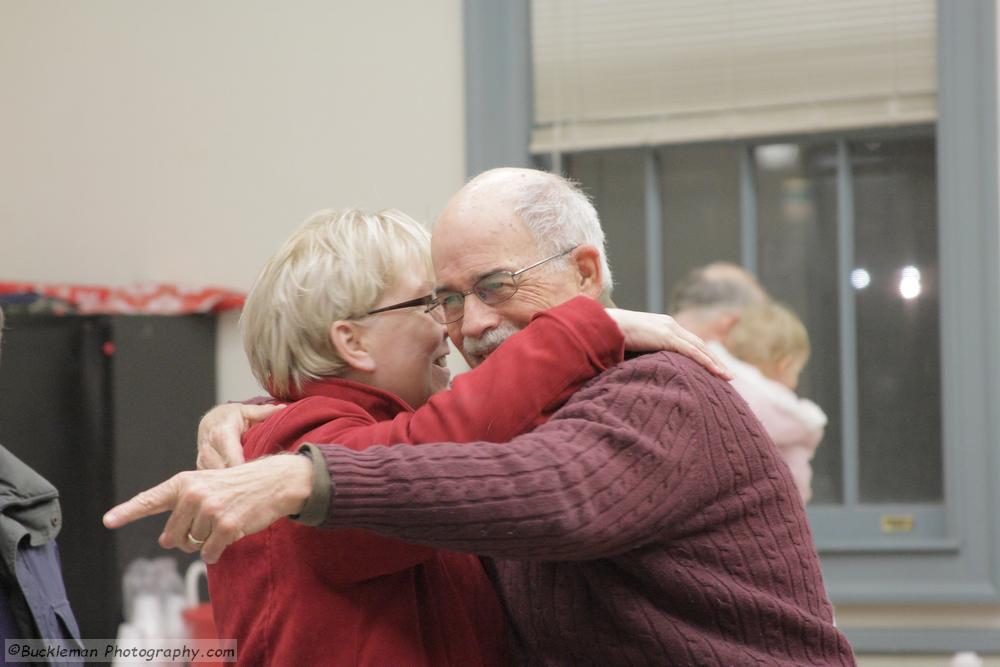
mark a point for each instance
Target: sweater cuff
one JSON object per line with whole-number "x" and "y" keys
{"x": 317, "y": 507}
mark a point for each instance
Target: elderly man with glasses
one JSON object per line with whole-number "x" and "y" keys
{"x": 648, "y": 521}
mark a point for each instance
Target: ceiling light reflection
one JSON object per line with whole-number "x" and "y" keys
{"x": 909, "y": 283}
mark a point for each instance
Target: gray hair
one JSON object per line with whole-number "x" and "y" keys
{"x": 714, "y": 288}
{"x": 555, "y": 210}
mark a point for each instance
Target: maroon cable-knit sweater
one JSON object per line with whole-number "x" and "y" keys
{"x": 650, "y": 521}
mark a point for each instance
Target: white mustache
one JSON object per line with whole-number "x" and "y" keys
{"x": 489, "y": 341}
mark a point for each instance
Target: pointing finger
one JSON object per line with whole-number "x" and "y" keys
{"x": 152, "y": 501}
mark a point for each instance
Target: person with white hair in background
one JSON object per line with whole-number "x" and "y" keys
{"x": 649, "y": 521}
{"x": 708, "y": 300}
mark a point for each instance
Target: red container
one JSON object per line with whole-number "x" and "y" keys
{"x": 201, "y": 625}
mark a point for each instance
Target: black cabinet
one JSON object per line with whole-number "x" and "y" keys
{"x": 104, "y": 407}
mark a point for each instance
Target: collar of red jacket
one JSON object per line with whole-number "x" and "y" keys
{"x": 378, "y": 403}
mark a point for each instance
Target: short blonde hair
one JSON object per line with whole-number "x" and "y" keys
{"x": 336, "y": 266}
{"x": 767, "y": 333}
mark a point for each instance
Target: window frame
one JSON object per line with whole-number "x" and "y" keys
{"x": 958, "y": 562}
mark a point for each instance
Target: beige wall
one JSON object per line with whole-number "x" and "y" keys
{"x": 182, "y": 141}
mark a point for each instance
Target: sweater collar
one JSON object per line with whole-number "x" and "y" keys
{"x": 379, "y": 403}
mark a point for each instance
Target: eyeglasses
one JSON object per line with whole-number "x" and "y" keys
{"x": 492, "y": 290}
{"x": 448, "y": 307}
{"x": 428, "y": 301}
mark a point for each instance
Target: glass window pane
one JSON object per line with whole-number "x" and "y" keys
{"x": 899, "y": 381}
{"x": 615, "y": 181}
{"x": 701, "y": 208}
{"x": 797, "y": 264}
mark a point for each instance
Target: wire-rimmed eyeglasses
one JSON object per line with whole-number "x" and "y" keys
{"x": 493, "y": 289}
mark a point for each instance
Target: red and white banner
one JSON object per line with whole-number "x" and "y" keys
{"x": 145, "y": 299}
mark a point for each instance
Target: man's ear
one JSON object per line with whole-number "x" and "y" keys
{"x": 588, "y": 265}
{"x": 348, "y": 339}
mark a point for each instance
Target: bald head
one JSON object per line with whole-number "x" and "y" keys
{"x": 708, "y": 299}
{"x": 509, "y": 220}
{"x": 555, "y": 211}
{"x": 733, "y": 273}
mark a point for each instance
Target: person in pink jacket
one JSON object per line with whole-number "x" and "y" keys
{"x": 768, "y": 347}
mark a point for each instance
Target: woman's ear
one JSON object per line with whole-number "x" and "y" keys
{"x": 588, "y": 265}
{"x": 348, "y": 339}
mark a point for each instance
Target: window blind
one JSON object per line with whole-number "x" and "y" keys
{"x": 646, "y": 72}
